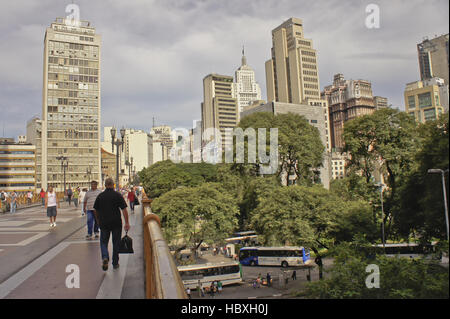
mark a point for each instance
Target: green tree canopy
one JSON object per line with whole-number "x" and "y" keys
{"x": 300, "y": 147}
{"x": 192, "y": 215}
{"x": 164, "y": 176}
{"x": 400, "y": 278}
{"x": 309, "y": 216}
{"x": 421, "y": 201}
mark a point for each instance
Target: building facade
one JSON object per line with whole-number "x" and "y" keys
{"x": 380, "y": 102}
{"x": 423, "y": 99}
{"x": 246, "y": 89}
{"x": 108, "y": 165}
{"x": 71, "y": 105}
{"x": 434, "y": 58}
{"x": 347, "y": 99}
{"x": 292, "y": 74}
{"x": 219, "y": 108}
{"x": 17, "y": 166}
{"x": 338, "y": 163}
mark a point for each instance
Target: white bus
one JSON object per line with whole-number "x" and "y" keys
{"x": 408, "y": 250}
{"x": 204, "y": 274}
{"x": 274, "y": 256}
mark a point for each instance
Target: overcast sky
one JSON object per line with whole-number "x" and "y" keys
{"x": 156, "y": 53}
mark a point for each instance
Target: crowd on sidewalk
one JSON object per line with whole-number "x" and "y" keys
{"x": 10, "y": 201}
{"x": 102, "y": 209}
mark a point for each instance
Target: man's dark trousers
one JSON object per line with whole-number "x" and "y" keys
{"x": 105, "y": 232}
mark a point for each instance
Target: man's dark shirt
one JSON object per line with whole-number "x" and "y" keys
{"x": 108, "y": 205}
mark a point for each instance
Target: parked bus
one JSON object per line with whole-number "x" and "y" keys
{"x": 274, "y": 256}
{"x": 227, "y": 272}
{"x": 409, "y": 250}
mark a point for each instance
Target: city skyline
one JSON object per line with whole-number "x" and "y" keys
{"x": 147, "y": 57}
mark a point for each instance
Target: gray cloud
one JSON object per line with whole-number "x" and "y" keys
{"x": 156, "y": 53}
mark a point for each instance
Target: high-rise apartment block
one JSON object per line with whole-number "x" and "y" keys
{"x": 423, "y": 99}
{"x": 246, "y": 89}
{"x": 17, "y": 165}
{"x": 292, "y": 75}
{"x": 434, "y": 58}
{"x": 347, "y": 99}
{"x": 71, "y": 104}
{"x": 219, "y": 107}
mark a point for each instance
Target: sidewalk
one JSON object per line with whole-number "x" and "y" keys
{"x": 41, "y": 262}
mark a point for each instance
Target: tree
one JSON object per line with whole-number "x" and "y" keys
{"x": 400, "y": 278}
{"x": 309, "y": 216}
{"x": 387, "y": 137}
{"x": 300, "y": 147}
{"x": 193, "y": 215}
{"x": 164, "y": 176}
{"x": 421, "y": 208}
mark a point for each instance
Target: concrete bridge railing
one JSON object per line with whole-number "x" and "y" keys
{"x": 162, "y": 278}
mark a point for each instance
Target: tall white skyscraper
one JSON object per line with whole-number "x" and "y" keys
{"x": 70, "y": 105}
{"x": 246, "y": 89}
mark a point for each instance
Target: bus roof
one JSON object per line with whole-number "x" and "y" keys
{"x": 208, "y": 265}
{"x": 241, "y": 238}
{"x": 273, "y": 248}
{"x": 400, "y": 245}
{"x": 248, "y": 232}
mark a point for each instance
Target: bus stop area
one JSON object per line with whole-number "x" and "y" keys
{"x": 282, "y": 283}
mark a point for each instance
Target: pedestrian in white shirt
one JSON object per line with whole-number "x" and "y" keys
{"x": 51, "y": 202}
{"x": 81, "y": 200}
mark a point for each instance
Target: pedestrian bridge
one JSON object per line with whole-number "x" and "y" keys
{"x": 38, "y": 261}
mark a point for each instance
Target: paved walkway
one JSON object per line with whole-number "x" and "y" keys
{"x": 38, "y": 261}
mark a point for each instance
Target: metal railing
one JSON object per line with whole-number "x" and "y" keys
{"x": 162, "y": 280}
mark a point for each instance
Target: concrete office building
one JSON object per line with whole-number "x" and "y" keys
{"x": 380, "y": 102}
{"x": 434, "y": 58}
{"x": 137, "y": 150}
{"x": 246, "y": 89}
{"x": 292, "y": 75}
{"x": 338, "y": 163}
{"x": 163, "y": 142}
{"x": 315, "y": 116}
{"x": 108, "y": 165}
{"x": 423, "y": 99}
{"x": 17, "y": 166}
{"x": 71, "y": 104}
{"x": 347, "y": 99}
{"x": 219, "y": 108}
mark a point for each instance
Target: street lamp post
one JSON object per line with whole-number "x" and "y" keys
{"x": 64, "y": 165}
{"x": 88, "y": 172}
{"x": 442, "y": 172}
{"x": 118, "y": 143}
{"x": 381, "y": 185}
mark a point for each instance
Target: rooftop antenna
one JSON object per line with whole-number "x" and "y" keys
{"x": 153, "y": 122}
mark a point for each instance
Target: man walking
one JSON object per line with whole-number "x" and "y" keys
{"x": 69, "y": 195}
{"x": 107, "y": 208}
{"x": 88, "y": 207}
{"x": 51, "y": 201}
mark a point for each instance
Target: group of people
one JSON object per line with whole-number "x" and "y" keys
{"x": 10, "y": 200}
{"x": 103, "y": 214}
{"x": 216, "y": 287}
